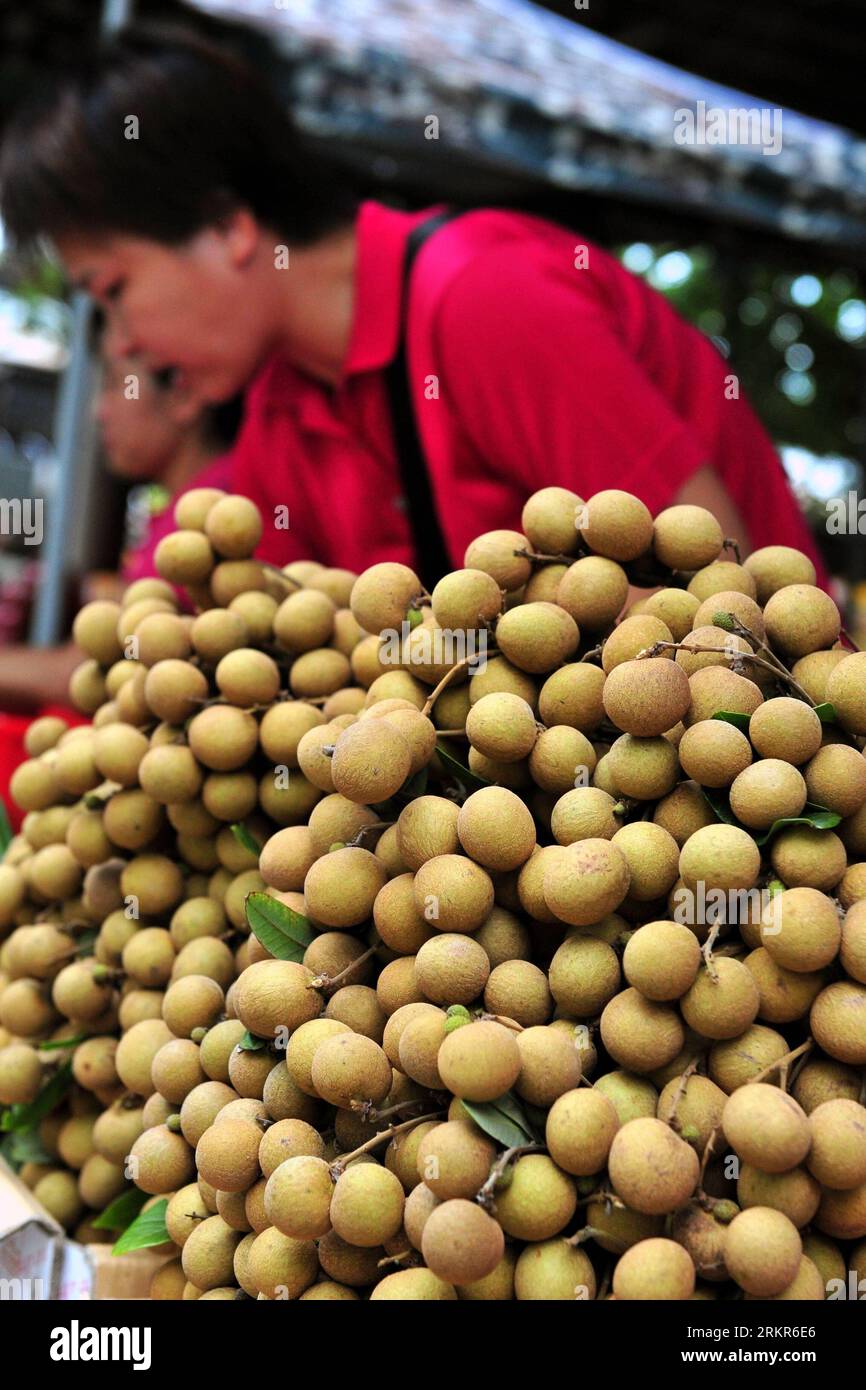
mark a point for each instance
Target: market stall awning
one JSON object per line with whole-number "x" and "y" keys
{"x": 530, "y": 94}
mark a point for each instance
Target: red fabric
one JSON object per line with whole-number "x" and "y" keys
{"x": 13, "y": 727}
{"x": 526, "y": 371}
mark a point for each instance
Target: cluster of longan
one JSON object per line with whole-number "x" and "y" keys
{"x": 579, "y": 1008}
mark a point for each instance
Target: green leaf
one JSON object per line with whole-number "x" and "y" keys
{"x": 55, "y": 1046}
{"x": 818, "y": 817}
{"x": 148, "y": 1228}
{"x": 741, "y": 721}
{"x": 283, "y": 932}
{"x": 510, "y": 1106}
{"x": 498, "y": 1124}
{"x": 250, "y": 1043}
{"x": 415, "y": 786}
{"x": 826, "y": 712}
{"x": 243, "y": 837}
{"x": 23, "y": 1117}
{"x": 719, "y": 803}
{"x": 120, "y": 1214}
{"x": 464, "y": 775}
{"x": 5, "y": 828}
{"x": 25, "y": 1147}
{"x": 86, "y": 941}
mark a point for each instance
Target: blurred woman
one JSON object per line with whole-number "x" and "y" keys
{"x": 154, "y": 431}
{"x": 389, "y": 416}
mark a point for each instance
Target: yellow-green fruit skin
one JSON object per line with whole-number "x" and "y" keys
{"x": 657, "y": 1269}
{"x": 539, "y": 1201}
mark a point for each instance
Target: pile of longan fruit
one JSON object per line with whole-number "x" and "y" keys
{"x": 395, "y": 973}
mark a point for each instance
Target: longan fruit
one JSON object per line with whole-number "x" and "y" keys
{"x": 838, "y": 1022}
{"x": 766, "y": 1127}
{"x": 662, "y": 960}
{"x": 367, "y": 1205}
{"x": 586, "y": 881}
{"x": 274, "y": 993}
{"x": 762, "y": 1251}
{"x": 233, "y": 525}
{"x": 785, "y": 728}
{"x": 538, "y": 1202}
{"x": 340, "y": 888}
{"x": 349, "y": 1066}
{"x": 651, "y": 1168}
{"x": 461, "y": 1243}
{"x": 248, "y": 677}
{"x": 477, "y": 1062}
{"x": 639, "y": 1034}
{"x": 803, "y": 857}
{"x": 714, "y": 753}
{"x": 686, "y": 537}
{"x": 452, "y": 893}
{"x": 584, "y": 975}
{"x": 173, "y": 690}
{"x": 657, "y": 1269}
{"x": 451, "y": 968}
{"x": 644, "y": 768}
{"x": 223, "y": 737}
{"x": 801, "y": 619}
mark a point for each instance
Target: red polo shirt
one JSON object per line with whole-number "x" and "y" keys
{"x": 534, "y": 360}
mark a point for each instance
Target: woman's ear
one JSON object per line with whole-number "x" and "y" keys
{"x": 241, "y": 234}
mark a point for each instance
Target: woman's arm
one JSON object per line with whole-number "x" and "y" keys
{"x": 34, "y": 676}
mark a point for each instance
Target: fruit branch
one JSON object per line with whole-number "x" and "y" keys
{"x": 328, "y": 983}
{"x": 486, "y": 1194}
{"x": 731, "y": 543}
{"x": 446, "y": 680}
{"x": 783, "y": 1062}
{"x": 780, "y": 674}
{"x": 340, "y": 1164}
{"x": 680, "y": 1092}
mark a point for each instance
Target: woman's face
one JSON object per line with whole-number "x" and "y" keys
{"x": 191, "y": 309}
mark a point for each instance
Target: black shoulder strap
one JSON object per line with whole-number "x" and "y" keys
{"x": 431, "y": 553}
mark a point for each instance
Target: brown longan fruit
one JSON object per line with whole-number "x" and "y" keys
{"x": 233, "y": 525}
{"x": 655, "y": 1268}
{"x": 538, "y": 1202}
{"x": 639, "y": 1034}
{"x": 801, "y": 619}
{"x": 173, "y": 690}
{"x": 721, "y": 1003}
{"x": 496, "y": 829}
{"x": 646, "y": 697}
{"x": 452, "y": 893}
{"x": 662, "y": 960}
{"x": 651, "y": 1168}
{"x": 479, "y": 1061}
{"x": 382, "y": 594}
{"x": 248, "y": 677}
{"x": 451, "y": 968}
{"x": 349, "y": 1067}
{"x": 836, "y": 778}
{"x": 359, "y": 1007}
{"x": 717, "y": 688}
{"x": 784, "y": 995}
{"x": 132, "y": 819}
{"x": 20, "y": 1074}
{"x": 466, "y": 599}
{"x": 274, "y": 993}
{"x": 223, "y": 737}
{"x": 775, "y": 566}
{"x": 807, "y": 858}
{"x": 644, "y": 768}
{"x": 399, "y": 923}
{"x": 573, "y": 696}
{"x": 762, "y": 1251}
{"x": 766, "y": 1127}
{"x": 586, "y": 881}
{"x": 331, "y": 952}
{"x": 714, "y": 753}
{"x": 837, "y": 1157}
{"x": 136, "y": 1051}
{"x": 519, "y": 990}
{"x": 163, "y": 1161}
{"x": 371, "y": 761}
{"x": 785, "y": 728}
{"x": 418, "y": 1042}
{"x": 460, "y": 1242}
{"x": 800, "y": 930}
{"x": 838, "y": 1022}
{"x": 584, "y": 975}
{"x": 341, "y": 887}
{"x": 426, "y": 827}
{"x": 283, "y": 726}
{"x": 367, "y": 1205}
{"x": 686, "y": 537}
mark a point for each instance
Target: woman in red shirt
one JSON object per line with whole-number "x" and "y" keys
{"x": 224, "y": 252}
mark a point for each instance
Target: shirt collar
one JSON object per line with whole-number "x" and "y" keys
{"x": 381, "y": 235}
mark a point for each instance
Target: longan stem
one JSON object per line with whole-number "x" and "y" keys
{"x": 707, "y": 949}
{"x": 784, "y": 1062}
{"x": 681, "y": 1090}
{"x": 731, "y": 543}
{"x": 740, "y": 630}
{"x": 705, "y": 1158}
{"x": 780, "y": 673}
{"x": 339, "y": 1165}
{"x": 327, "y": 983}
{"x": 399, "y": 1109}
{"x": 539, "y": 559}
{"x": 446, "y": 680}
{"x": 275, "y": 569}
{"x": 486, "y": 1193}
{"x": 846, "y": 637}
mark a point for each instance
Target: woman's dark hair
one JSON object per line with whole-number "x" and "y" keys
{"x": 160, "y": 133}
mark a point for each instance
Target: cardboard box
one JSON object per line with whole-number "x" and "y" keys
{"x": 39, "y": 1261}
